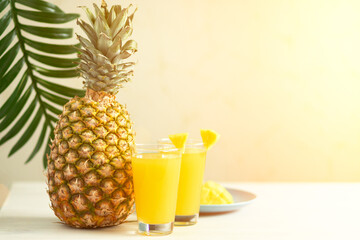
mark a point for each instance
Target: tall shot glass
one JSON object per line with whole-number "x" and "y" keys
{"x": 191, "y": 179}
{"x": 156, "y": 178}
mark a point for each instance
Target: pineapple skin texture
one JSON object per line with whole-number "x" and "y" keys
{"x": 90, "y": 180}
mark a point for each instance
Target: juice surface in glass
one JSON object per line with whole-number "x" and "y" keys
{"x": 156, "y": 178}
{"x": 191, "y": 178}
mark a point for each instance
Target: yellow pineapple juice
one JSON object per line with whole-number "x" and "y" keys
{"x": 191, "y": 178}
{"x": 156, "y": 179}
{"x": 190, "y": 183}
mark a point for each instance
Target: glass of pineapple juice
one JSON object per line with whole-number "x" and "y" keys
{"x": 191, "y": 179}
{"x": 156, "y": 172}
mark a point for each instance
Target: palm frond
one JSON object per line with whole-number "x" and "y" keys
{"x": 32, "y": 71}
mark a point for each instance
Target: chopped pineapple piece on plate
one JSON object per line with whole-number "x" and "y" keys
{"x": 215, "y": 193}
{"x": 217, "y": 199}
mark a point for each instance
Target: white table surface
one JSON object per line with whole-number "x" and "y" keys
{"x": 281, "y": 211}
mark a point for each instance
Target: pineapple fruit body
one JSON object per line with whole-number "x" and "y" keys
{"x": 89, "y": 167}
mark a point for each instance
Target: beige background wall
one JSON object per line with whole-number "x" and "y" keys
{"x": 279, "y": 80}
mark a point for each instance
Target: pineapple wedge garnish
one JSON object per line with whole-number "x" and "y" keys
{"x": 209, "y": 137}
{"x": 179, "y": 140}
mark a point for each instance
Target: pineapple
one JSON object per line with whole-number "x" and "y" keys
{"x": 209, "y": 137}
{"x": 90, "y": 181}
{"x": 215, "y": 193}
{"x": 179, "y": 140}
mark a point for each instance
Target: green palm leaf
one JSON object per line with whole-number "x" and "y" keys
{"x": 11, "y": 74}
{"x": 40, "y": 5}
{"x": 29, "y": 70}
{"x": 4, "y": 22}
{"x": 47, "y": 17}
{"x": 14, "y": 112}
{"x": 6, "y": 41}
{"x": 14, "y": 96}
{"x": 52, "y": 48}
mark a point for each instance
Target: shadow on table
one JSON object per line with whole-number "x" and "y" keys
{"x": 52, "y": 226}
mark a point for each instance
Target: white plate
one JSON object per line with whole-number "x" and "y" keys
{"x": 241, "y": 198}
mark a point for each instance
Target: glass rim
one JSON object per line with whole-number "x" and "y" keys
{"x": 154, "y": 148}
{"x": 192, "y": 142}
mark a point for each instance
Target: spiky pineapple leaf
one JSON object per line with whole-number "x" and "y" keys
{"x": 29, "y": 71}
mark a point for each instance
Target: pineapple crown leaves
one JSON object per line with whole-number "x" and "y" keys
{"x": 27, "y": 63}
{"x": 104, "y": 52}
